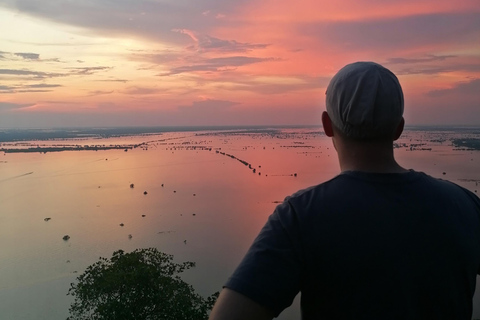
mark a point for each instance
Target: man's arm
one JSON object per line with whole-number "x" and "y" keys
{"x": 232, "y": 305}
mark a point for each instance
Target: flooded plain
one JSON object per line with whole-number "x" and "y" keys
{"x": 199, "y": 195}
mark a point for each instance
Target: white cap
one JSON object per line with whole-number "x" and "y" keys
{"x": 365, "y": 101}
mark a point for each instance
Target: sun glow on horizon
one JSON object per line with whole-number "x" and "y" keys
{"x": 147, "y": 63}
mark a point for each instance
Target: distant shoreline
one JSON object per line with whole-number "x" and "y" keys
{"x": 42, "y": 134}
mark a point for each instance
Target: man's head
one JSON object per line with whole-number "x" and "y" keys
{"x": 365, "y": 102}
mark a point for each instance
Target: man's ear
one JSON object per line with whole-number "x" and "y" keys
{"x": 327, "y": 124}
{"x": 399, "y": 130}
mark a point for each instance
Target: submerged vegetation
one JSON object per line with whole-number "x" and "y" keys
{"x": 66, "y": 148}
{"x": 467, "y": 143}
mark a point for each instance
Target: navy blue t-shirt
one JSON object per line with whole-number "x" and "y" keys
{"x": 368, "y": 246}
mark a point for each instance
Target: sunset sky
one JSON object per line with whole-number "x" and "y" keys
{"x": 228, "y": 62}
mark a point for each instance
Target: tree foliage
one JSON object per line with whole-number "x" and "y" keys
{"x": 143, "y": 284}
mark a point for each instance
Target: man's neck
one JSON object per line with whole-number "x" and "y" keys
{"x": 380, "y": 167}
{"x": 368, "y": 157}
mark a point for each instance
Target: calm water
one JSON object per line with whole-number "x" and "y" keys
{"x": 211, "y": 200}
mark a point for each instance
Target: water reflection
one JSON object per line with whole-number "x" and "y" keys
{"x": 192, "y": 196}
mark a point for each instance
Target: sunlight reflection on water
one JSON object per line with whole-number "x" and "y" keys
{"x": 201, "y": 205}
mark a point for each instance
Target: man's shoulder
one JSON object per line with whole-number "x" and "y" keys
{"x": 314, "y": 190}
{"x": 449, "y": 187}
{"x": 312, "y": 196}
{"x": 352, "y": 185}
{"x": 356, "y": 179}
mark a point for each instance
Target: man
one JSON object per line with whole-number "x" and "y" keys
{"x": 375, "y": 242}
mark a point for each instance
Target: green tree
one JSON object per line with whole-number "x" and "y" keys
{"x": 143, "y": 284}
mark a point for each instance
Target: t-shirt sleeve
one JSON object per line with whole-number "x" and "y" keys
{"x": 270, "y": 273}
